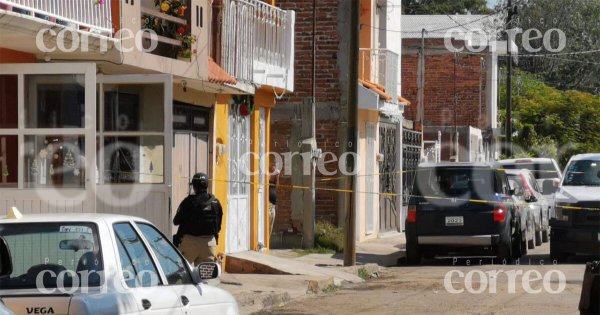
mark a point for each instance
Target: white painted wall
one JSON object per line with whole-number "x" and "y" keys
{"x": 393, "y": 36}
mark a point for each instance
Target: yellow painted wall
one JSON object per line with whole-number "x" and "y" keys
{"x": 219, "y": 168}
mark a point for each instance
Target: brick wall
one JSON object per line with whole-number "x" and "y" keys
{"x": 328, "y": 97}
{"x": 439, "y": 89}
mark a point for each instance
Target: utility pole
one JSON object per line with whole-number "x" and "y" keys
{"x": 350, "y": 224}
{"x": 508, "y": 130}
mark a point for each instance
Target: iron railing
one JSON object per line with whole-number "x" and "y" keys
{"x": 252, "y": 31}
{"x": 380, "y": 66}
{"x": 80, "y": 14}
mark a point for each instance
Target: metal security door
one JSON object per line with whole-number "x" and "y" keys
{"x": 261, "y": 177}
{"x": 238, "y": 210}
{"x": 388, "y": 209}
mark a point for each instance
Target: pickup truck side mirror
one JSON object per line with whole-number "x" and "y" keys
{"x": 549, "y": 187}
{"x": 6, "y": 267}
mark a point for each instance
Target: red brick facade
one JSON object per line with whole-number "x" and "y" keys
{"x": 439, "y": 89}
{"x": 328, "y": 95}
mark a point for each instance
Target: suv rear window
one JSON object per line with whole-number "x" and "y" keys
{"x": 471, "y": 183}
{"x": 539, "y": 170}
{"x": 52, "y": 250}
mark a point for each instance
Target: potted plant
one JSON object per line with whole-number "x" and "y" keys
{"x": 185, "y": 51}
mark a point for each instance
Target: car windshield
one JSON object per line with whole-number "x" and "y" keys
{"x": 456, "y": 183}
{"x": 52, "y": 255}
{"x": 539, "y": 170}
{"x": 583, "y": 173}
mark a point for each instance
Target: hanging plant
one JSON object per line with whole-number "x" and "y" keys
{"x": 246, "y": 103}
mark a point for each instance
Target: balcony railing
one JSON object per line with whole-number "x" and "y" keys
{"x": 169, "y": 26}
{"x": 79, "y": 14}
{"x": 380, "y": 66}
{"x": 257, "y": 41}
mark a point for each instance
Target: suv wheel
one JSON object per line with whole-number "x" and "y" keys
{"x": 413, "y": 255}
{"x": 545, "y": 236}
{"x": 505, "y": 250}
{"x": 521, "y": 243}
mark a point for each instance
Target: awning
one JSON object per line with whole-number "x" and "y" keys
{"x": 380, "y": 90}
{"x": 216, "y": 74}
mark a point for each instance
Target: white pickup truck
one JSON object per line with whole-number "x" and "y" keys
{"x": 102, "y": 264}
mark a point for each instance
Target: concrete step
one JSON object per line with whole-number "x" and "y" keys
{"x": 254, "y": 262}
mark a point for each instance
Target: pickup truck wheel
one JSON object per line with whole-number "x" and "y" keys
{"x": 545, "y": 236}
{"x": 413, "y": 255}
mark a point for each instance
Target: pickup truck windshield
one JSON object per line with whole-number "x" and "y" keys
{"x": 583, "y": 173}
{"x": 52, "y": 255}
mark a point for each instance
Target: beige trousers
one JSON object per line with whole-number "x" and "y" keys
{"x": 198, "y": 249}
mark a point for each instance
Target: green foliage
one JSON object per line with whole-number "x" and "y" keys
{"x": 580, "y": 22}
{"x": 552, "y": 123}
{"x": 331, "y": 288}
{"x": 445, "y": 7}
{"x": 363, "y": 273}
{"x": 328, "y": 236}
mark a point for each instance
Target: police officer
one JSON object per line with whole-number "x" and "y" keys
{"x": 199, "y": 219}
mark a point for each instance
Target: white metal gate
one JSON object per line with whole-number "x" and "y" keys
{"x": 369, "y": 178}
{"x": 238, "y": 209}
{"x": 261, "y": 177}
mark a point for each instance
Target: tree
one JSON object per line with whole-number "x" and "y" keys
{"x": 579, "y": 20}
{"x": 413, "y": 7}
{"x": 550, "y": 122}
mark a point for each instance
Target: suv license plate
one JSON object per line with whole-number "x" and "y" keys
{"x": 455, "y": 221}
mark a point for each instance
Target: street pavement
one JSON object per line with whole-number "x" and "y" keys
{"x": 421, "y": 289}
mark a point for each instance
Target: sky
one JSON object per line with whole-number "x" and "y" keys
{"x": 491, "y": 3}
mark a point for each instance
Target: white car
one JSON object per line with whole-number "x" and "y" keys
{"x": 103, "y": 264}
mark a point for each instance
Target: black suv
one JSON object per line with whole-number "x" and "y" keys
{"x": 460, "y": 208}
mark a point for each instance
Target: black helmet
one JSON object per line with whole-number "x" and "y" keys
{"x": 200, "y": 181}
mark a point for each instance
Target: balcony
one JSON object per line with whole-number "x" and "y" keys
{"x": 257, "y": 43}
{"x": 380, "y": 67}
{"x": 80, "y": 15}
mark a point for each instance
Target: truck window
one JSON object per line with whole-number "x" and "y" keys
{"x": 52, "y": 251}
{"x": 171, "y": 263}
{"x": 135, "y": 259}
{"x": 583, "y": 173}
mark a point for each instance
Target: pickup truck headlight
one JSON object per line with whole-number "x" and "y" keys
{"x": 560, "y": 216}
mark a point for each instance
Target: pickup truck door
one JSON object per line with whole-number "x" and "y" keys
{"x": 141, "y": 274}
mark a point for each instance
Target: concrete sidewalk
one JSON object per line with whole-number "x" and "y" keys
{"x": 285, "y": 275}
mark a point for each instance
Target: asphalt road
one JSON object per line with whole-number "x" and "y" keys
{"x": 423, "y": 289}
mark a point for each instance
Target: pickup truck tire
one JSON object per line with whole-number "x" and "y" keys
{"x": 413, "y": 255}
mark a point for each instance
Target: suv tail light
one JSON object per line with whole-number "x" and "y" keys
{"x": 412, "y": 214}
{"x": 500, "y": 213}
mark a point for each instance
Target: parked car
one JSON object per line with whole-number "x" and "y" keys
{"x": 103, "y": 264}
{"x": 542, "y": 169}
{"x": 463, "y": 208}
{"x": 5, "y": 270}
{"x": 531, "y": 194}
{"x": 576, "y": 226}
